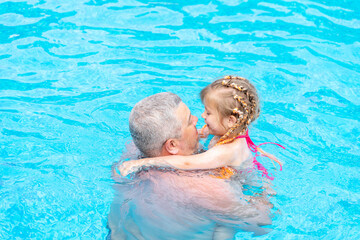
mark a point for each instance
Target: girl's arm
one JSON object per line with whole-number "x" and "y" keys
{"x": 219, "y": 156}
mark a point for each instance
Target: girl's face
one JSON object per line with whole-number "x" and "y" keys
{"x": 217, "y": 124}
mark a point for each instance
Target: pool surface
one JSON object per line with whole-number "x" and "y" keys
{"x": 72, "y": 70}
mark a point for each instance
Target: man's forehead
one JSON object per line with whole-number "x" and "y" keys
{"x": 183, "y": 112}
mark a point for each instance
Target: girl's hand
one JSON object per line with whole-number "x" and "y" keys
{"x": 128, "y": 167}
{"x": 203, "y": 132}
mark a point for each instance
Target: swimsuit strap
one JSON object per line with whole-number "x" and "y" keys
{"x": 227, "y": 172}
{"x": 258, "y": 152}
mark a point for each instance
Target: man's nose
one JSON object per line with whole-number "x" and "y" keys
{"x": 195, "y": 120}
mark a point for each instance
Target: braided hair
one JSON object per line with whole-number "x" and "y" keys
{"x": 235, "y": 96}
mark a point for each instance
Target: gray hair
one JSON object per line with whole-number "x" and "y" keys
{"x": 153, "y": 121}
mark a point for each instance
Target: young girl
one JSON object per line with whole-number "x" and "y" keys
{"x": 231, "y": 104}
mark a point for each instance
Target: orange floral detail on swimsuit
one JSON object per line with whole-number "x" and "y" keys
{"x": 227, "y": 172}
{"x": 224, "y": 172}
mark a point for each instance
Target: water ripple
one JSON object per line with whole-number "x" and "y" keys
{"x": 72, "y": 70}
{"x": 12, "y": 19}
{"x": 64, "y": 100}
{"x": 7, "y": 84}
{"x": 15, "y": 133}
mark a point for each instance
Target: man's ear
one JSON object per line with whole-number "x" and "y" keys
{"x": 172, "y": 146}
{"x": 231, "y": 121}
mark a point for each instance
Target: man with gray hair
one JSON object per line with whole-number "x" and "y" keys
{"x": 162, "y": 125}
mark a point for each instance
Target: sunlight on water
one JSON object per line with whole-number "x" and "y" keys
{"x": 72, "y": 70}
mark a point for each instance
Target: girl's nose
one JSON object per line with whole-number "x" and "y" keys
{"x": 203, "y": 115}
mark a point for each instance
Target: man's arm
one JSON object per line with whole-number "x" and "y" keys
{"x": 231, "y": 154}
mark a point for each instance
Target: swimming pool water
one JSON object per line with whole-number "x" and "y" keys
{"x": 72, "y": 70}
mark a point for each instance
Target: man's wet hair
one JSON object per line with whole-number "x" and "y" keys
{"x": 153, "y": 121}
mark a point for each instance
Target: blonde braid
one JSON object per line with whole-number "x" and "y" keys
{"x": 244, "y": 118}
{"x": 248, "y": 100}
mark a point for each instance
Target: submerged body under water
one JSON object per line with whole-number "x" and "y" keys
{"x": 168, "y": 204}
{"x": 72, "y": 70}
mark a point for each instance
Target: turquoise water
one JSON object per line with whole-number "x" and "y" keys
{"x": 71, "y": 72}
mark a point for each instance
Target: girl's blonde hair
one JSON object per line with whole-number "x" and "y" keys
{"x": 235, "y": 96}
